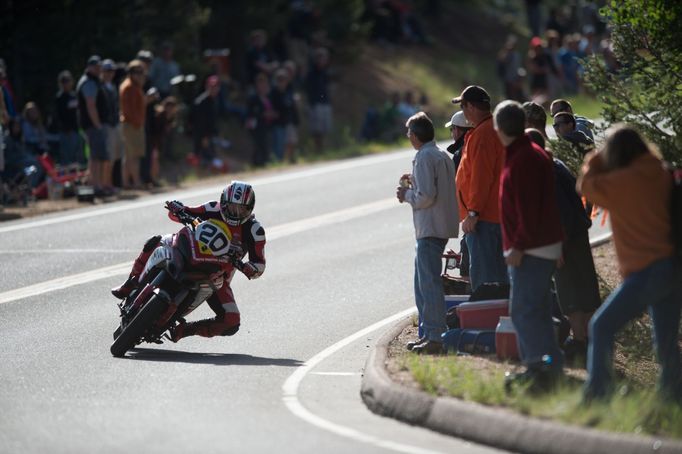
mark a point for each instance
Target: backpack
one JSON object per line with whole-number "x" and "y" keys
{"x": 676, "y": 210}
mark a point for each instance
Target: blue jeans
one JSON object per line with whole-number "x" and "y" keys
{"x": 657, "y": 287}
{"x": 531, "y": 310}
{"x": 278, "y": 138}
{"x": 428, "y": 287}
{"x": 486, "y": 261}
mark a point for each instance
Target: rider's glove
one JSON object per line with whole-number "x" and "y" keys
{"x": 175, "y": 207}
{"x": 251, "y": 271}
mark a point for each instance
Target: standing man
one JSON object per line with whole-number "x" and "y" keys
{"x": 133, "y": 111}
{"x": 70, "y": 141}
{"x": 92, "y": 110}
{"x": 431, "y": 193}
{"x": 205, "y": 120}
{"x": 532, "y": 235}
{"x": 478, "y": 182}
{"x": 111, "y": 123}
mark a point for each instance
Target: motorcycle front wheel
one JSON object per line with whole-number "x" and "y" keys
{"x": 135, "y": 330}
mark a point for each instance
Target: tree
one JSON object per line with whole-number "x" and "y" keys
{"x": 645, "y": 89}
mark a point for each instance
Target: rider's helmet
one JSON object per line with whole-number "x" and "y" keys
{"x": 237, "y": 202}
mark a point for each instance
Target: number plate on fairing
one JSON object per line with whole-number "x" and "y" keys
{"x": 213, "y": 238}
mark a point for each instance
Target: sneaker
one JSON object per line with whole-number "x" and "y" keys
{"x": 412, "y": 344}
{"x": 125, "y": 289}
{"x": 429, "y": 347}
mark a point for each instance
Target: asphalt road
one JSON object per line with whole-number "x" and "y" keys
{"x": 340, "y": 252}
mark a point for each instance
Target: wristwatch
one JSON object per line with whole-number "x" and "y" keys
{"x": 473, "y": 214}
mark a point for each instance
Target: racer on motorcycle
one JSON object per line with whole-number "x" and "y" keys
{"x": 235, "y": 208}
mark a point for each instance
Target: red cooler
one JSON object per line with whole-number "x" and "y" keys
{"x": 506, "y": 345}
{"x": 482, "y": 314}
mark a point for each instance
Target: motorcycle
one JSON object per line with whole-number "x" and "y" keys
{"x": 182, "y": 272}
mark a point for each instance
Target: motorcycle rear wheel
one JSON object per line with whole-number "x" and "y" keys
{"x": 143, "y": 320}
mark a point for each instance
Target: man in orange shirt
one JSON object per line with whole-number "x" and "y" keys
{"x": 478, "y": 183}
{"x": 133, "y": 109}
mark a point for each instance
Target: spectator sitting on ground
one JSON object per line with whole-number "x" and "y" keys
{"x": 35, "y": 135}
{"x": 565, "y": 127}
{"x": 582, "y": 124}
{"x": 16, "y": 156}
{"x": 531, "y": 231}
{"x": 70, "y": 141}
{"x": 163, "y": 69}
{"x": 575, "y": 280}
{"x": 628, "y": 178}
{"x": 536, "y": 118}
{"x": 478, "y": 178}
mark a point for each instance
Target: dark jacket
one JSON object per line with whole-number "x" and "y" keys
{"x": 100, "y": 102}
{"x": 574, "y": 219}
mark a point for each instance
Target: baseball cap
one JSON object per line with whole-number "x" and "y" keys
{"x": 108, "y": 65}
{"x": 94, "y": 60}
{"x": 458, "y": 119}
{"x": 472, "y": 93}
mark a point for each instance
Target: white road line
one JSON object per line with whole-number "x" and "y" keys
{"x": 336, "y": 374}
{"x": 274, "y": 233}
{"x": 212, "y": 190}
{"x": 291, "y": 386}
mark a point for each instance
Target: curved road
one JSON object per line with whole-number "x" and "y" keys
{"x": 340, "y": 251}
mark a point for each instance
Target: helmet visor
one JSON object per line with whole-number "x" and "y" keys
{"x": 237, "y": 210}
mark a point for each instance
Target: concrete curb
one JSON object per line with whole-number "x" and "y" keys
{"x": 492, "y": 426}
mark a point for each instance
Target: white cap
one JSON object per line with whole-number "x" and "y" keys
{"x": 458, "y": 119}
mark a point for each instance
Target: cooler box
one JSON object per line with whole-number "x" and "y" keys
{"x": 469, "y": 341}
{"x": 482, "y": 314}
{"x": 506, "y": 344}
{"x": 455, "y": 300}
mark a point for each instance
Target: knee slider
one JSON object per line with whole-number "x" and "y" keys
{"x": 151, "y": 243}
{"x": 231, "y": 331}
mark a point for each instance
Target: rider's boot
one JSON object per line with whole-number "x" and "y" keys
{"x": 125, "y": 289}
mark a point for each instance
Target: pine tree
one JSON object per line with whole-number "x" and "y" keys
{"x": 646, "y": 88}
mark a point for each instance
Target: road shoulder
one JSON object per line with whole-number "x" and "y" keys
{"x": 496, "y": 427}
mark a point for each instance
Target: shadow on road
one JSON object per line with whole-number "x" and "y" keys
{"x": 219, "y": 359}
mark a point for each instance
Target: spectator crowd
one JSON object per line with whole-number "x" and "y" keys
{"x": 116, "y": 120}
{"x": 524, "y": 224}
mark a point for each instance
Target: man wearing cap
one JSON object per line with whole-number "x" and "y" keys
{"x": 478, "y": 182}
{"x": 92, "y": 109}
{"x": 459, "y": 127}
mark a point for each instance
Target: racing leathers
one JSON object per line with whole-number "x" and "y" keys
{"x": 248, "y": 238}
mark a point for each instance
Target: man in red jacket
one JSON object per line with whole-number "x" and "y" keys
{"x": 531, "y": 240}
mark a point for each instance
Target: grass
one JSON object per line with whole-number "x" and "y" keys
{"x": 631, "y": 410}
